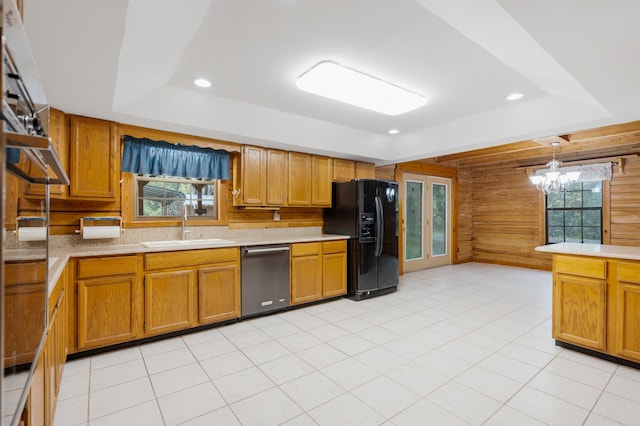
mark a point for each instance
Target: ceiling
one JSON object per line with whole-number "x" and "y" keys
{"x": 134, "y": 61}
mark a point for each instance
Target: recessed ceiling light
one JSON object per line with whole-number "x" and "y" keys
{"x": 344, "y": 84}
{"x": 394, "y": 131}
{"x": 202, "y": 82}
{"x": 514, "y": 96}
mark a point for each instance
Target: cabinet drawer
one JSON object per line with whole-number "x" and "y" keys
{"x": 24, "y": 273}
{"x": 304, "y": 249}
{"x": 179, "y": 259}
{"x": 585, "y": 267}
{"x": 334, "y": 246}
{"x": 628, "y": 272}
{"x": 107, "y": 266}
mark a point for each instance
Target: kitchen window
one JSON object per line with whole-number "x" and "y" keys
{"x": 165, "y": 197}
{"x": 575, "y": 214}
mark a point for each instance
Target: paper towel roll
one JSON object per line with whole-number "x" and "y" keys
{"x": 96, "y": 232}
{"x": 28, "y": 233}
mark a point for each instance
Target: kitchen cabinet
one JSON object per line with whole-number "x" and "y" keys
{"x": 306, "y": 272}
{"x": 24, "y": 316}
{"x": 260, "y": 177}
{"x": 343, "y": 170}
{"x": 318, "y": 270}
{"x": 627, "y": 309}
{"x": 169, "y": 301}
{"x": 45, "y": 387}
{"x": 59, "y": 135}
{"x": 334, "y": 268}
{"x": 321, "y": 178}
{"x": 94, "y": 168}
{"x": 299, "y": 188}
{"x": 580, "y": 301}
{"x": 365, "y": 170}
{"x": 109, "y": 301}
{"x": 192, "y": 287}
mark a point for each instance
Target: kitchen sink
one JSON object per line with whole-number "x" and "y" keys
{"x": 206, "y": 242}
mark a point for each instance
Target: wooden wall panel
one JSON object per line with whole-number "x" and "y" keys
{"x": 625, "y": 204}
{"x": 465, "y": 215}
{"x": 505, "y": 211}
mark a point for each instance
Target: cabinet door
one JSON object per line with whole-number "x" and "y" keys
{"x": 365, "y": 170}
{"x": 219, "y": 293}
{"x": 93, "y": 169}
{"x": 254, "y": 175}
{"x": 58, "y": 132}
{"x": 334, "y": 268}
{"x": 343, "y": 170}
{"x": 299, "y": 179}
{"x": 169, "y": 301}
{"x": 306, "y": 272}
{"x": 627, "y": 339}
{"x": 579, "y": 310}
{"x": 276, "y": 177}
{"x": 107, "y": 311}
{"x": 321, "y": 178}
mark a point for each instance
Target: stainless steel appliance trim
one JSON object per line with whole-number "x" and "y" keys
{"x": 41, "y": 152}
{"x": 265, "y": 250}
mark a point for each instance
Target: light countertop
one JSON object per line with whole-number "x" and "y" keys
{"x": 58, "y": 257}
{"x": 595, "y": 250}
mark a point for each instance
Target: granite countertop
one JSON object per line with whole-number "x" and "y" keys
{"x": 595, "y": 250}
{"x": 58, "y": 257}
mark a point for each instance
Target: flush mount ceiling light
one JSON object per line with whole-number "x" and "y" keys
{"x": 344, "y": 84}
{"x": 202, "y": 82}
{"x": 394, "y": 131}
{"x": 514, "y": 96}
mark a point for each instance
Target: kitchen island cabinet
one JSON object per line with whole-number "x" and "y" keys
{"x": 596, "y": 298}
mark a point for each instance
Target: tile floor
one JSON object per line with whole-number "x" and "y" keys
{"x": 456, "y": 345}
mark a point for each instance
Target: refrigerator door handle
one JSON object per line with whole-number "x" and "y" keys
{"x": 379, "y": 226}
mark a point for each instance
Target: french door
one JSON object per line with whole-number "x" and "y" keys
{"x": 427, "y": 221}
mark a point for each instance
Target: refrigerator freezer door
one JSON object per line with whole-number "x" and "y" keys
{"x": 363, "y": 267}
{"x": 388, "y": 258}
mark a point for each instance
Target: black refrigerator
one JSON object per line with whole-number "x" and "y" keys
{"x": 367, "y": 211}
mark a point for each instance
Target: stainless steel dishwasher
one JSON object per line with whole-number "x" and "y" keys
{"x": 265, "y": 278}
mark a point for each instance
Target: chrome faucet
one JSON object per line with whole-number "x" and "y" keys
{"x": 185, "y": 232}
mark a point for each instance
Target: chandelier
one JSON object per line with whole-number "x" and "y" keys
{"x": 555, "y": 178}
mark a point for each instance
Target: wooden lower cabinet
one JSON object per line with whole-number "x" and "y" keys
{"x": 596, "y": 304}
{"x": 627, "y": 310}
{"x": 169, "y": 301}
{"x": 306, "y": 272}
{"x": 334, "y": 268}
{"x": 219, "y": 292}
{"x": 108, "y": 306}
{"x": 203, "y": 287}
{"x": 318, "y": 270}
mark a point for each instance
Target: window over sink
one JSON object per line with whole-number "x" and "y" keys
{"x": 166, "y": 196}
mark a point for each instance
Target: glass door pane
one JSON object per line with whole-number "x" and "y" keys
{"x": 438, "y": 220}
{"x": 413, "y": 203}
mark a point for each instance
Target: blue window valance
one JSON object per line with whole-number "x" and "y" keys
{"x": 144, "y": 156}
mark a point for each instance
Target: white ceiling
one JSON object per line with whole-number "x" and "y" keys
{"x": 134, "y": 61}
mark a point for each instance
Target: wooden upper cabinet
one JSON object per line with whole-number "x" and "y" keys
{"x": 276, "y": 177}
{"x": 299, "y": 193}
{"x": 343, "y": 170}
{"x": 93, "y": 169}
{"x": 365, "y": 170}
{"x": 321, "y": 178}
{"x": 59, "y": 134}
{"x": 261, "y": 177}
{"x": 253, "y": 171}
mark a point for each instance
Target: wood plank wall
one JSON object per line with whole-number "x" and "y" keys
{"x": 465, "y": 216}
{"x": 625, "y": 204}
{"x": 505, "y": 217}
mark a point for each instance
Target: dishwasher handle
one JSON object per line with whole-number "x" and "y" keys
{"x": 249, "y": 251}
